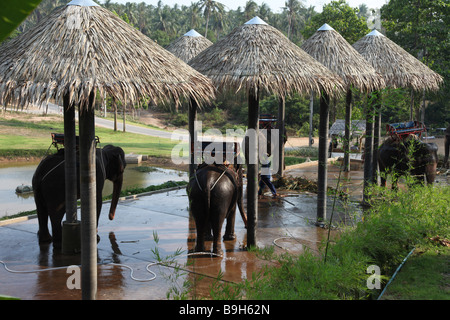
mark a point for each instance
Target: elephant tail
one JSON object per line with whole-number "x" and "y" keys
{"x": 208, "y": 201}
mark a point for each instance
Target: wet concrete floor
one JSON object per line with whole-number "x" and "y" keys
{"x": 160, "y": 223}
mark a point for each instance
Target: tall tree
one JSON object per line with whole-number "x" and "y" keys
{"x": 292, "y": 8}
{"x": 421, "y": 28}
{"x": 343, "y": 18}
{"x": 210, "y": 7}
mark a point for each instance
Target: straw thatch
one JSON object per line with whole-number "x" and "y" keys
{"x": 189, "y": 45}
{"x": 398, "y": 67}
{"x": 257, "y": 56}
{"x": 78, "y": 49}
{"x": 327, "y": 46}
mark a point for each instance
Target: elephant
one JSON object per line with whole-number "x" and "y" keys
{"x": 49, "y": 188}
{"x": 409, "y": 155}
{"x": 446, "y": 146}
{"x": 213, "y": 194}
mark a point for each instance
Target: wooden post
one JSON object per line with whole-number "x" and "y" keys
{"x": 376, "y": 137}
{"x": 88, "y": 202}
{"x": 322, "y": 168}
{"x": 311, "y": 111}
{"x": 348, "y": 124}
{"x": 252, "y": 167}
{"x": 192, "y": 136}
{"x": 281, "y": 135}
{"x": 368, "y": 151}
{"x": 71, "y": 241}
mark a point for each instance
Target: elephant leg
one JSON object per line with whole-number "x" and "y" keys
{"x": 44, "y": 235}
{"x": 201, "y": 224}
{"x": 430, "y": 173}
{"x": 229, "y": 230}
{"x": 56, "y": 220}
{"x": 217, "y": 219}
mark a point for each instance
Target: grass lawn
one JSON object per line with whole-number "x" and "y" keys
{"x": 425, "y": 276}
{"x": 29, "y": 135}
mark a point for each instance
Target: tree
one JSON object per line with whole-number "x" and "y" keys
{"x": 210, "y": 7}
{"x": 421, "y": 28}
{"x": 292, "y": 7}
{"x": 343, "y": 18}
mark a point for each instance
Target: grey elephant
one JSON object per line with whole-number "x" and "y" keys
{"x": 213, "y": 194}
{"x": 49, "y": 188}
{"x": 409, "y": 155}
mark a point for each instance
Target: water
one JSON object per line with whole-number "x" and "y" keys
{"x": 15, "y": 174}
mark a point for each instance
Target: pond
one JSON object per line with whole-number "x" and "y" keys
{"x": 16, "y": 174}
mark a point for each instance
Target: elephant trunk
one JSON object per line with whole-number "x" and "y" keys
{"x": 117, "y": 188}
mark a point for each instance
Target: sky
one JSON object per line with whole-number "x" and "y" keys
{"x": 275, "y": 5}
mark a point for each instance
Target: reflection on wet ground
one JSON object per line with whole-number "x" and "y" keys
{"x": 143, "y": 226}
{"x": 160, "y": 225}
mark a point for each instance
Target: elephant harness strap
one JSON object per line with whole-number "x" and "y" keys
{"x": 225, "y": 169}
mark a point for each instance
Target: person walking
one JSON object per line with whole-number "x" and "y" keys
{"x": 266, "y": 178}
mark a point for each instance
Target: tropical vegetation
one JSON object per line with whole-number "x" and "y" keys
{"x": 418, "y": 26}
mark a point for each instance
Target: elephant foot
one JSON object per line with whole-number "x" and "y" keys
{"x": 229, "y": 237}
{"x": 199, "y": 248}
{"x": 217, "y": 249}
{"x": 44, "y": 238}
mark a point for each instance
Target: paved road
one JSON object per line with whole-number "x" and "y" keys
{"x": 105, "y": 123}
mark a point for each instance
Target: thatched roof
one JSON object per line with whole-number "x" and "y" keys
{"x": 82, "y": 47}
{"x": 327, "y": 46}
{"x": 258, "y": 56}
{"x": 189, "y": 45}
{"x": 398, "y": 67}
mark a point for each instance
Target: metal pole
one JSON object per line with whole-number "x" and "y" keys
{"x": 281, "y": 135}
{"x": 88, "y": 202}
{"x": 322, "y": 168}
{"x": 348, "y": 123}
{"x": 252, "y": 167}
{"x": 71, "y": 242}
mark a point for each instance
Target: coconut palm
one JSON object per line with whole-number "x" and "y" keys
{"x": 210, "y": 7}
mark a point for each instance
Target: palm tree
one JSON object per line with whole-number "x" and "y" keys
{"x": 250, "y": 9}
{"x": 194, "y": 15}
{"x": 292, "y": 7}
{"x": 210, "y": 7}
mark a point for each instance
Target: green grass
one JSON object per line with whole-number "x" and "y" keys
{"x": 22, "y": 137}
{"x": 425, "y": 276}
{"x": 390, "y": 229}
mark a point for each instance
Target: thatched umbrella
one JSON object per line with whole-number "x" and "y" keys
{"x": 189, "y": 45}
{"x": 76, "y": 52}
{"x": 256, "y": 57}
{"x": 330, "y": 48}
{"x": 399, "y": 70}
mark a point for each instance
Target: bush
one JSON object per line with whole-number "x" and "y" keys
{"x": 389, "y": 230}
